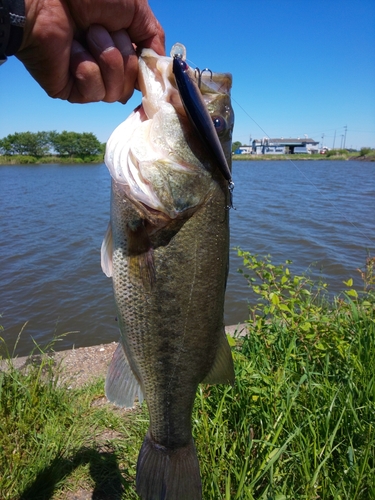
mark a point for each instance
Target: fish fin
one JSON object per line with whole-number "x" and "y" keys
{"x": 121, "y": 385}
{"x": 106, "y": 252}
{"x": 222, "y": 370}
{"x": 168, "y": 474}
{"x": 141, "y": 255}
{"x": 143, "y": 266}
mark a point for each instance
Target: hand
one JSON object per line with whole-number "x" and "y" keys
{"x": 82, "y": 50}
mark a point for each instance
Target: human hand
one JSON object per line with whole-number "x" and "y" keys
{"x": 82, "y": 50}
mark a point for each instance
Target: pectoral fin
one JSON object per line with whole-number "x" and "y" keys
{"x": 141, "y": 255}
{"x": 222, "y": 370}
{"x": 121, "y": 385}
{"x": 106, "y": 252}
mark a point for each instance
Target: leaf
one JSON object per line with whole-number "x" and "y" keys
{"x": 352, "y": 293}
{"x": 274, "y": 298}
{"x": 349, "y": 282}
{"x": 320, "y": 346}
{"x": 231, "y": 340}
{"x": 273, "y": 453}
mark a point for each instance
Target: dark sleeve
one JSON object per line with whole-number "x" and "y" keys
{"x": 12, "y": 22}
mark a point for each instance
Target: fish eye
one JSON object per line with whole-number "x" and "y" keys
{"x": 220, "y": 124}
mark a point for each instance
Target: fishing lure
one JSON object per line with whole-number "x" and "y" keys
{"x": 197, "y": 112}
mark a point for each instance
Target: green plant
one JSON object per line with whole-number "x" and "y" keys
{"x": 365, "y": 151}
{"x": 299, "y": 422}
{"x": 336, "y": 152}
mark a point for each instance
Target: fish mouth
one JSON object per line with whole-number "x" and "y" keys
{"x": 167, "y": 168}
{"x": 198, "y": 114}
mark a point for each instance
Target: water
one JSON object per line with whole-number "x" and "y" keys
{"x": 53, "y": 218}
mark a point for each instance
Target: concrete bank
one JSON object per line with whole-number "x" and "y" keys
{"x": 81, "y": 365}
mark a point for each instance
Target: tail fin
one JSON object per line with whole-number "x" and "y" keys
{"x": 164, "y": 474}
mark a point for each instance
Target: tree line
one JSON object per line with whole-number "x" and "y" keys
{"x": 38, "y": 144}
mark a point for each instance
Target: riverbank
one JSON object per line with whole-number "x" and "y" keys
{"x": 49, "y": 160}
{"x": 31, "y": 160}
{"x": 304, "y": 157}
{"x": 78, "y": 367}
{"x": 302, "y": 404}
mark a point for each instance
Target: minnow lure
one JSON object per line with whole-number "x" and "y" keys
{"x": 197, "y": 112}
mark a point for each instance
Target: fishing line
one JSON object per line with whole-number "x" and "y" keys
{"x": 298, "y": 168}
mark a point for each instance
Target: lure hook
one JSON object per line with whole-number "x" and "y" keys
{"x": 200, "y": 73}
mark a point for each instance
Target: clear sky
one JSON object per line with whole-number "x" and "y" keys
{"x": 298, "y": 68}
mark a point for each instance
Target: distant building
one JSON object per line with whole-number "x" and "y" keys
{"x": 284, "y": 146}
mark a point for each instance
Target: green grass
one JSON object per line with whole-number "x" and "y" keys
{"x": 299, "y": 422}
{"x": 39, "y": 160}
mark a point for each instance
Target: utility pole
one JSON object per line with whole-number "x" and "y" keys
{"x": 342, "y": 138}
{"x": 334, "y": 140}
{"x": 346, "y": 128}
{"x": 322, "y": 141}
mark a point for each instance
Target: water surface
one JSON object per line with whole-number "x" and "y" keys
{"x": 53, "y": 219}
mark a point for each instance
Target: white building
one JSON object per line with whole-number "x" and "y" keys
{"x": 284, "y": 146}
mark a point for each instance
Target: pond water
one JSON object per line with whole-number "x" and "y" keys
{"x": 53, "y": 219}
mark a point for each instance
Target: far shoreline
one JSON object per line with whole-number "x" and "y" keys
{"x": 303, "y": 157}
{"x": 97, "y": 160}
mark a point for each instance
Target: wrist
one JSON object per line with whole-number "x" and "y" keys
{"x": 12, "y": 22}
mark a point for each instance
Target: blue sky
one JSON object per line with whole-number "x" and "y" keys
{"x": 298, "y": 68}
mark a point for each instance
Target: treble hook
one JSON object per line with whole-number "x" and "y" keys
{"x": 200, "y": 73}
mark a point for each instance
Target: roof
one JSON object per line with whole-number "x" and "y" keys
{"x": 287, "y": 141}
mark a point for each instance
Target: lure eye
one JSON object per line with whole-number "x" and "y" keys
{"x": 180, "y": 62}
{"x": 220, "y": 124}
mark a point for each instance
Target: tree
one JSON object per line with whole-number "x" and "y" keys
{"x": 88, "y": 145}
{"x": 236, "y": 145}
{"x": 25, "y": 143}
{"x": 64, "y": 143}
{"x": 41, "y": 143}
{"x": 75, "y": 144}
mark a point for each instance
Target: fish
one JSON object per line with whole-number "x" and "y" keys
{"x": 167, "y": 252}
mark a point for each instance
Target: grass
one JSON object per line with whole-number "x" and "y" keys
{"x": 39, "y": 160}
{"x": 299, "y": 423}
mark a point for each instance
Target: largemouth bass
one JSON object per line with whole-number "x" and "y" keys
{"x": 166, "y": 250}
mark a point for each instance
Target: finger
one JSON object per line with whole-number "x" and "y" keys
{"x": 135, "y": 16}
{"x": 157, "y": 41}
{"x": 88, "y": 85}
{"x": 130, "y": 62}
{"x": 110, "y": 60}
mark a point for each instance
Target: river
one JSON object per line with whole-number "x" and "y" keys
{"x": 53, "y": 219}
